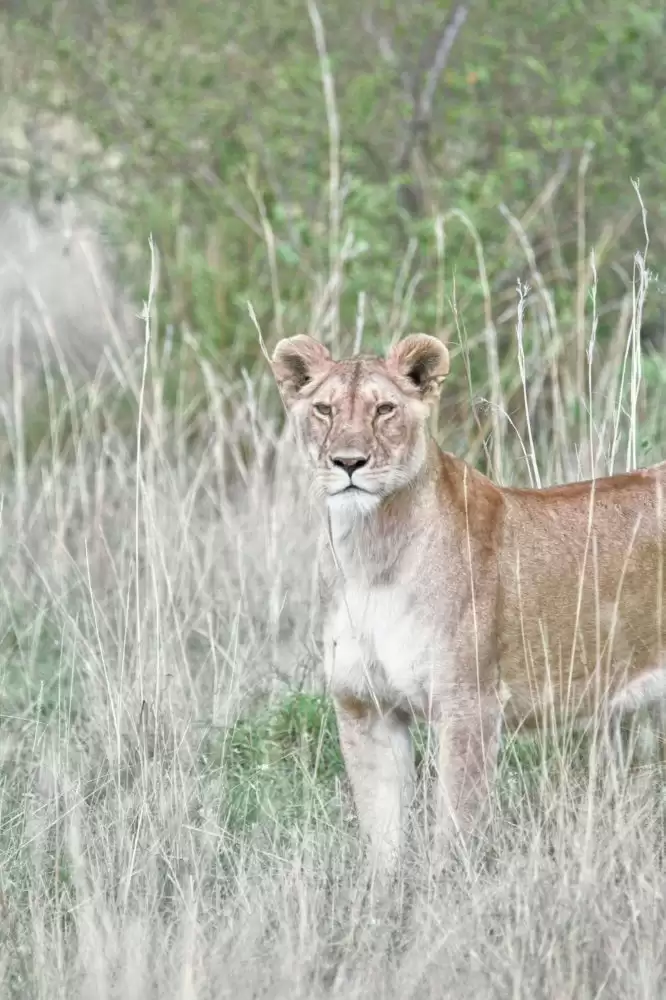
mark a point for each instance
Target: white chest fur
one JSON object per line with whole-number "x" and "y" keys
{"x": 378, "y": 645}
{"x": 387, "y": 634}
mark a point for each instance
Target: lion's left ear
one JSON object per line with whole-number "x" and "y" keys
{"x": 422, "y": 359}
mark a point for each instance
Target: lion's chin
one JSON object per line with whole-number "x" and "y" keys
{"x": 352, "y": 502}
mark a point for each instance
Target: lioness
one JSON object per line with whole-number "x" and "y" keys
{"x": 453, "y": 600}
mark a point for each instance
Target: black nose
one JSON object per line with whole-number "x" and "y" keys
{"x": 350, "y": 465}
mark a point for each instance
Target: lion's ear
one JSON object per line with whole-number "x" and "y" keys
{"x": 422, "y": 359}
{"x": 296, "y": 362}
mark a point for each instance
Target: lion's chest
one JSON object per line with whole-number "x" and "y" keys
{"x": 379, "y": 644}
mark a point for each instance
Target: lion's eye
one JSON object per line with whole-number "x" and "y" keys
{"x": 385, "y": 408}
{"x": 323, "y": 409}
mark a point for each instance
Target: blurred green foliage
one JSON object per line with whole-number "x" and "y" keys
{"x": 216, "y": 118}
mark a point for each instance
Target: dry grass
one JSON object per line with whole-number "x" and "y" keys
{"x": 145, "y": 601}
{"x": 158, "y": 583}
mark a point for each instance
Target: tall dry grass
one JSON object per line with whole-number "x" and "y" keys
{"x": 158, "y": 555}
{"x": 159, "y": 579}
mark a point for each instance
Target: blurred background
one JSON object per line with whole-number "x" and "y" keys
{"x": 468, "y": 147}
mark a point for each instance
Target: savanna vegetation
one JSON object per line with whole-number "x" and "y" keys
{"x": 174, "y": 815}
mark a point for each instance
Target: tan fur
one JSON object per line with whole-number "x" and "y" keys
{"x": 452, "y": 600}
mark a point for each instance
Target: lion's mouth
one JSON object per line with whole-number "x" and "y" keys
{"x": 351, "y": 488}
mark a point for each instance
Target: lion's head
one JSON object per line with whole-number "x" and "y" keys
{"x": 363, "y": 419}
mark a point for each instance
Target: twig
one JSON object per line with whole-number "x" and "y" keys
{"x": 419, "y": 126}
{"x": 420, "y": 87}
{"x": 441, "y": 58}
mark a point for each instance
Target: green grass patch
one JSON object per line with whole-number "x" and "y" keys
{"x": 280, "y": 765}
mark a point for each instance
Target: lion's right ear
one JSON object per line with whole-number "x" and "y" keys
{"x": 296, "y": 362}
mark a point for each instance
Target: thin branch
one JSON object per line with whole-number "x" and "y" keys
{"x": 419, "y": 126}
{"x": 420, "y": 87}
{"x": 442, "y": 52}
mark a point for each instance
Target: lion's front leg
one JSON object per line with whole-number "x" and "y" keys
{"x": 468, "y": 751}
{"x": 377, "y": 750}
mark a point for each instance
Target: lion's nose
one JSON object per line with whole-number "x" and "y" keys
{"x": 350, "y": 463}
